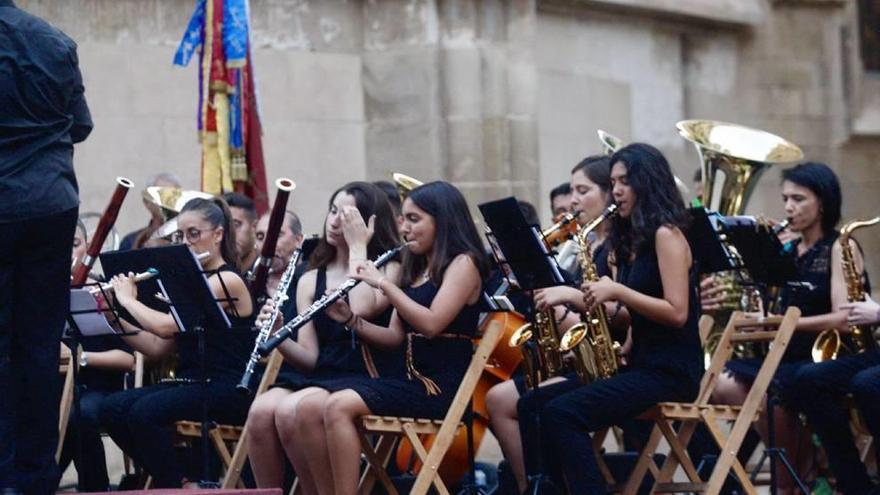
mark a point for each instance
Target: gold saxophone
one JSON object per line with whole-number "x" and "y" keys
{"x": 539, "y": 343}
{"x": 590, "y": 341}
{"x": 828, "y": 344}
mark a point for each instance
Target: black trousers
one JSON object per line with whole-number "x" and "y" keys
{"x": 141, "y": 421}
{"x": 818, "y": 391}
{"x": 34, "y": 302}
{"x": 568, "y": 420}
{"x": 85, "y": 434}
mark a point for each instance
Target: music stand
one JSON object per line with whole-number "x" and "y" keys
{"x": 522, "y": 253}
{"x": 770, "y": 266}
{"x": 86, "y": 318}
{"x": 184, "y": 283}
{"x": 709, "y": 252}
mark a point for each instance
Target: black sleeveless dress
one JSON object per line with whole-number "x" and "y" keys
{"x": 676, "y": 351}
{"x": 340, "y": 354}
{"x": 226, "y": 350}
{"x": 431, "y": 371}
{"x": 813, "y": 298}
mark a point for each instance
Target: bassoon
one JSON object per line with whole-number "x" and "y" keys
{"x": 108, "y": 218}
{"x": 259, "y": 273}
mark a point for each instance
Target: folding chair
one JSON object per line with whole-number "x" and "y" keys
{"x": 388, "y": 429}
{"x": 740, "y": 328}
{"x": 65, "y": 368}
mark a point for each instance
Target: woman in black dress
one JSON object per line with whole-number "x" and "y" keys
{"x": 812, "y": 198}
{"x": 656, "y": 283}
{"x": 435, "y": 316}
{"x": 359, "y": 225}
{"x": 141, "y": 420}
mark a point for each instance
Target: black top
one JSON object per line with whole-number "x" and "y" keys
{"x": 42, "y": 113}
{"x": 659, "y": 346}
{"x": 339, "y": 349}
{"x": 226, "y": 350}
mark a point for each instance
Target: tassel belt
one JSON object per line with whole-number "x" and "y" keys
{"x": 431, "y": 388}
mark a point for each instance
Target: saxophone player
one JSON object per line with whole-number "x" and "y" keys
{"x": 656, "y": 282}
{"x": 512, "y": 419}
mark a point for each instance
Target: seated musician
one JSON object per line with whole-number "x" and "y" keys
{"x": 436, "y": 306}
{"x": 141, "y": 421}
{"x": 811, "y": 194}
{"x": 244, "y": 222}
{"x": 138, "y": 238}
{"x": 818, "y": 390}
{"x": 590, "y": 187}
{"x": 656, "y": 282}
{"x": 103, "y": 362}
{"x": 359, "y": 225}
{"x": 290, "y": 238}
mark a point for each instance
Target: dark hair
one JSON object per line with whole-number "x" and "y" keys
{"x": 822, "y": 181}
{"x": 390, "y": 190}
{"x": 528, "y": 210}
{"x": 370, "y": 200}
{"x": 658, "y": 200}
{"x": 597, "y": 168}
{"x": 560, "y": 190}
{"x": 215, "y": 211}
{"x": 455, "y": 232}
{"x": 238, "y": 200}
{"x": 81, "y": 227}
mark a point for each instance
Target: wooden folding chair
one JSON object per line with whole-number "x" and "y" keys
{"x": 388, "y": 429}
{"x": 65, "y": 367}
{"x": 224, "y": 436}
{"x": 666, "y": 415}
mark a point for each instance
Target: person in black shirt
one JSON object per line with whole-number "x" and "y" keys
{"x": 141, "y": 421}
{"x": 43, "y": 112}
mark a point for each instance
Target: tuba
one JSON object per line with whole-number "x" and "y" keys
{"x": 405, "y": 184}
{"x": 829, "y": 343}
{"x": 590, "y": 340}
{"x": 170, "y": 201}
{"x": 737, "y": 156}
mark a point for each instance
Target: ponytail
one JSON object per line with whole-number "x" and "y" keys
{"x": 216, "y": 212}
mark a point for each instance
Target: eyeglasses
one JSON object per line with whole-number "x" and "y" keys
{"x": 192, "y": 234}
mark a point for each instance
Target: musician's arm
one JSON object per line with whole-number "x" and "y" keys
{"x": 148, "y": 344}
{"x": 837, "y": 317}
{"x": 369, "y": 302}
{"x": 386, "y": 337}
{"x": 237, "y": 291}
{"x": 302, "y": 353}
{"x": 114, "y": 359}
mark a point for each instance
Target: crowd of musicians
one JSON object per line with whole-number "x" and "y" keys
{"x": 395, "y": 288}
{"x": 399, "y": 343}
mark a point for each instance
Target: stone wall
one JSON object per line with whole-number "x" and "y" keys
{"x": 498, "y": 96}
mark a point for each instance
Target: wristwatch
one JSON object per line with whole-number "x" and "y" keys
{"x": 83, "y": 359}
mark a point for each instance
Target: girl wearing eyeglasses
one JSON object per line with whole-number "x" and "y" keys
{"x": 141, "y": 421}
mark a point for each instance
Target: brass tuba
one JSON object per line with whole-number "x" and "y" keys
{"x": 741, "y": 154}
{"x": 170, "y": 200}
{"x": 828, "y": 345}
{"x": 405, "y": 184}
{"x": 590, "y": 340}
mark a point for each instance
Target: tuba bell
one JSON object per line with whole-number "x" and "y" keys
{"x": 741, "y": 154}
{"x": 170, "y": 200}
{"x": 405, "y": 184}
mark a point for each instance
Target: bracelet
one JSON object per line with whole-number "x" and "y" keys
{"x": 616, "y": 310}
{"x": 345, "y": 324}
{"x": 353, "y": 327}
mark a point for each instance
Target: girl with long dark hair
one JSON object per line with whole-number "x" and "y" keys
{"x": 359, "y": 225}
{"x": 435, "y": 317}
{"x": 655, "y": 282}
{"x": 141, "y": 420}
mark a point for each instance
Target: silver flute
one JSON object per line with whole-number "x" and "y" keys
{"x": 278, "y": 299}
{"x": 320, "y": 305}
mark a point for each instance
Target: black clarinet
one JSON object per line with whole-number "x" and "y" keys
{"x": 320, "y": 305}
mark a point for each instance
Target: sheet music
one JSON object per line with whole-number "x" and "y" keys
{"x": 88, "y": 317}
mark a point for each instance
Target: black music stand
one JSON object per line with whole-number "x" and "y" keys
{"x": 770, "y": 266}
{"x": 523, "y": 254}
{"x": 709, "y": 252}
{"x": 184, "y": 284}
{"x": 86, "y": 318}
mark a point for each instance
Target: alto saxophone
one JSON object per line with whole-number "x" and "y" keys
{"x": 590, "y": 340}
{"x": 828, "y": 344}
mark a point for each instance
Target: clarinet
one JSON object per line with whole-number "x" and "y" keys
{"x": 278, "y": 299}
{"x": 321, "y": 304}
